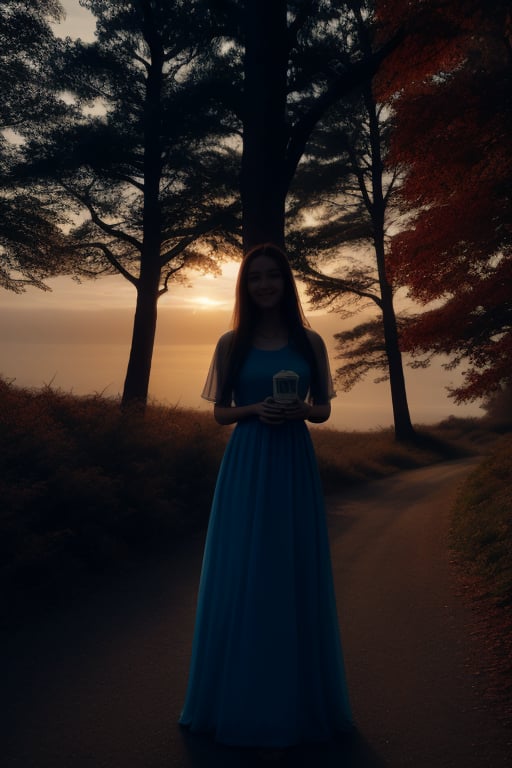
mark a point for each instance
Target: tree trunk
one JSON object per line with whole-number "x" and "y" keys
{"x": 136, "y": 384}
{"x": 404, "y": 429}
{"x": 262, "y": 179}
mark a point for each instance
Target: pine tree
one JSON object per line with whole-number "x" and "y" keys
{"x": 346, "y": 180}
{"x": 30, "y": 238}
{"x": 144, "y": 162}
{"x": 299, "y": 60}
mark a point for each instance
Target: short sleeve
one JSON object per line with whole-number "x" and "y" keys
{"x": 213, "y": 384}
{"x": 326, "y": 385}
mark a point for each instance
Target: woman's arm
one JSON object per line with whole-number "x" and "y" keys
{"x": 314, "y": 412}
{"x": 270, "y": 412}
{"x": 319, "y": 413}
{"x": 267, "y": 411}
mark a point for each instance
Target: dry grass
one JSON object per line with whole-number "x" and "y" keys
{"x": 482, "y": 522}
{"x": 482, "y": 542}
{"x": 86, "y": 489}
{"x": 347, "y": 458}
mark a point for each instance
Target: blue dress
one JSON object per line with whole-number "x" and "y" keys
{"x": 267, "y": 667}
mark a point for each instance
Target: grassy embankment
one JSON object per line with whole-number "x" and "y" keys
{"x": 482, "y": 543}
{"x": 482, "y": 521}
{"x": 85, "y": 490}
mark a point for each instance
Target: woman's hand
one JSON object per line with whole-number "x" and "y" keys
{"x": 270, "y": 412}
{"x": 300, "y": 410}
{"x": 297, "y": 410}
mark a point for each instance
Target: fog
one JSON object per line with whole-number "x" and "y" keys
{"x": 85, "y": 351}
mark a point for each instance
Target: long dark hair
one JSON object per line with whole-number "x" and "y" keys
{"x": 246, "y": 315}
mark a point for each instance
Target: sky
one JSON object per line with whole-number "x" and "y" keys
{"x": 76, "y": 337}
{"x": 79, "y": 22}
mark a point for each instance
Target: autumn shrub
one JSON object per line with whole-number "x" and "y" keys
{"x": 498, "y": 409}
{"x": 477, "y": 435}
{"x": 83, "y": 485}
{"x": 347, "y": 458}
{"x": 482, "y": 521}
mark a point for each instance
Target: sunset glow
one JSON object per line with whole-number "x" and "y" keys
{"x": 205, "y": 302}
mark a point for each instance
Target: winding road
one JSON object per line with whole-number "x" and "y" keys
{"x": 100, "y": 685}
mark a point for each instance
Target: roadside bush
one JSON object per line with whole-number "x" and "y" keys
{"x": 83, "y": 485}
{"x": 482, "y": 522}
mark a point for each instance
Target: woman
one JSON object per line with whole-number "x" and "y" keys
{"x": 267, "y": 668}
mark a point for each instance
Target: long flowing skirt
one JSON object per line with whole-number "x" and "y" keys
{"x": 267, "y": 667}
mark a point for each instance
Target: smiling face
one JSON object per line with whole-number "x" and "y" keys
{"x": 265, "y": 283}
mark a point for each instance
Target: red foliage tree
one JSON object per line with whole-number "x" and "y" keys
{"x": 453, "y": 109}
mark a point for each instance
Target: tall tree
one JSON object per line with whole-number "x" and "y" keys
{"x": 30, "y": 239}
{"x": 355, "y": 212}
{"x": 299, "y": 61}
{"x": 455, "y": 249}
{"x": 145, "y": 165}
{"x": 263, "y": 183}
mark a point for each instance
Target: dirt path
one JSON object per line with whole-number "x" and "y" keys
{"x": 406, "y": 632}
{"x": 101, "y": 685}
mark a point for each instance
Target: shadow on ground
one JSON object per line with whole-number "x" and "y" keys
{"x": 350, "y": 752}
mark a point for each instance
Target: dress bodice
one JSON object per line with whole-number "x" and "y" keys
{"x": 254, "y": 382}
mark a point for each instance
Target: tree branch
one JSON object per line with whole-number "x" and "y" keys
{"x": 391, "y": 186}
{"x": 129, "y": 180}
{"x": 95, "y": 218}
{"x": 170, "y": 273}
{"x": 337, "y": 284}
{"x": 357, "y": 74}
{"x": 110, "y": 258}
{"x": 299, "y": 21}
{"x": 177, "y": 249}
{"x": 359, "y": 174}
{"x": 223, "y": 219}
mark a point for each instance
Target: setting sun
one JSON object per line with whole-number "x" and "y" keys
{"x": 205, "y": 302}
